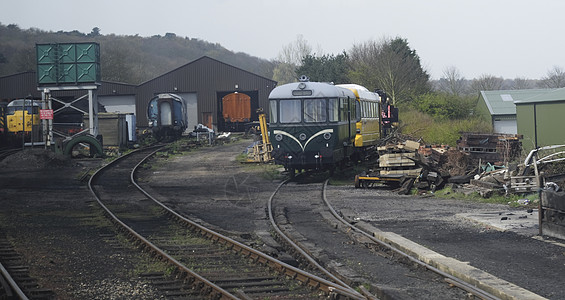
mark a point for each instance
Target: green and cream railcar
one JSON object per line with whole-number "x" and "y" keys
{"x": 312, "y": 125}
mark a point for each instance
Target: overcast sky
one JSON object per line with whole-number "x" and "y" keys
{"x": 507, "y": 38}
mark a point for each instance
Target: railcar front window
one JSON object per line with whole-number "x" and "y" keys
{"x": 315, "y": 110}
{"x": 273, "y": 111}
{"x": 290, "y": 111}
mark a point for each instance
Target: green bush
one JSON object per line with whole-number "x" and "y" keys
{"x": 442, "y": 106}
{"x": 437, "y": 131}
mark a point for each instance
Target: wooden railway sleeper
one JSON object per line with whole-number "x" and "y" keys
{"x": 303, "y": 278}
{"x": 314, "y": 284}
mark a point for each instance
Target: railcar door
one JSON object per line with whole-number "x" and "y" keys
{"x": 165, "y": 113}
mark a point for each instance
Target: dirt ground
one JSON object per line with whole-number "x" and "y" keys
{"x": 517, "y": 256}
{"x": 48, "y": 214}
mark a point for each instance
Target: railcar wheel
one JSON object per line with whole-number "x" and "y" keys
{"x": 291, "y": 172}
{"x": 357, "y": 182}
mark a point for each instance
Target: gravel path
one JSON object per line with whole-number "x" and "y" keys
{"x": 390, "y": 279}
{"x": 527, "y": 262}
{"x": 49, "y": 216}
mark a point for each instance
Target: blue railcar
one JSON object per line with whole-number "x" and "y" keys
{"x": 167, "y": 116}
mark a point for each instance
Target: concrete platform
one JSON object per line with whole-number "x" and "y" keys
{"x": 521, "y": 222}
{"x": 491, "y": 284}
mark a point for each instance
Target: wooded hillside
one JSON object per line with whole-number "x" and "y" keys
{"x": 128, "y": 59}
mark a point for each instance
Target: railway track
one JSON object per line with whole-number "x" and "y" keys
{"x": 295, "y": 223}
{"x": 15, "y": 281}
{"x": 204, "y": 263}
{"x": 7, "y": 152}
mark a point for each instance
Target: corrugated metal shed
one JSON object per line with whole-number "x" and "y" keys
{"x": 206, "y": 78}
{"x": 502, "y": 102}
{"x": 498, "y": 108}
{"x": 541, "y": 119}
{"x": 209, "y": 79}
{"x": 19, "y": 86}
{"x": 549, "y": 96}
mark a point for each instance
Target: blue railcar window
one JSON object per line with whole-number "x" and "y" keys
{"x": 273, "y": 111}
{"x": 290, "y": 111}
{"x": 315, "y": 110}
{"x": 333, "y": 110}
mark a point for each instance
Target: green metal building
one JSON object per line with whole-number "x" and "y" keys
{"x": 498, "y": 108}
{"x": 541, "y": 119}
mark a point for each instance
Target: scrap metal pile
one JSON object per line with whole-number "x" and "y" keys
{"x": 481, "y": 163}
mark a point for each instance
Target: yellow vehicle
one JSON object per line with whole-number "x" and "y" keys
{"x": 262, "y": 152}
{"x": 22, "y": 117}
{"x": 368, "y": 125}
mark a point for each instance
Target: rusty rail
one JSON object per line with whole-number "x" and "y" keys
{"x": 306, "y": 278}
{"x": 284, "y": 268}
{"x": 353, "y": 294}
{"x": 10, "y": 286}
{"x": 222, "y": 293}
{"x": 448, "y": 278}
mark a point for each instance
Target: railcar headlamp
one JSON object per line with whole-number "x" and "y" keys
{"x": 302, "y": 136}
{"x": 278, "y": 137}
{"x": 327, "y": 135}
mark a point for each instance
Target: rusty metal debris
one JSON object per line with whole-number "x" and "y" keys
{"x": 481, "y": 163}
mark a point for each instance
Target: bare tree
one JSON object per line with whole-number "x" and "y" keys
{"x": 294, "y": 52}
{"x": 522, "y": 83}
{"x": 487, "y": 82}
{"x": 290, "y": 58}
{"x": 452, "y": 82}
{"x": 555, "y": 78}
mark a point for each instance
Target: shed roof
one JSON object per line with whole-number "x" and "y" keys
{"x": 205, "y": 59}
{"x": 551, "y": 96}
{"x": 502, "y": 102}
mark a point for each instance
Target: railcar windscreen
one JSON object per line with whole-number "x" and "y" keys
{"x": 315, "y": 110}
{"x": 290, "y": 111}
{"x": 273, "y": 111}
{"x": 12, "y": 109}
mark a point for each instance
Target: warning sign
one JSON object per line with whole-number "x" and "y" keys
{"x": 46, "y": 114}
